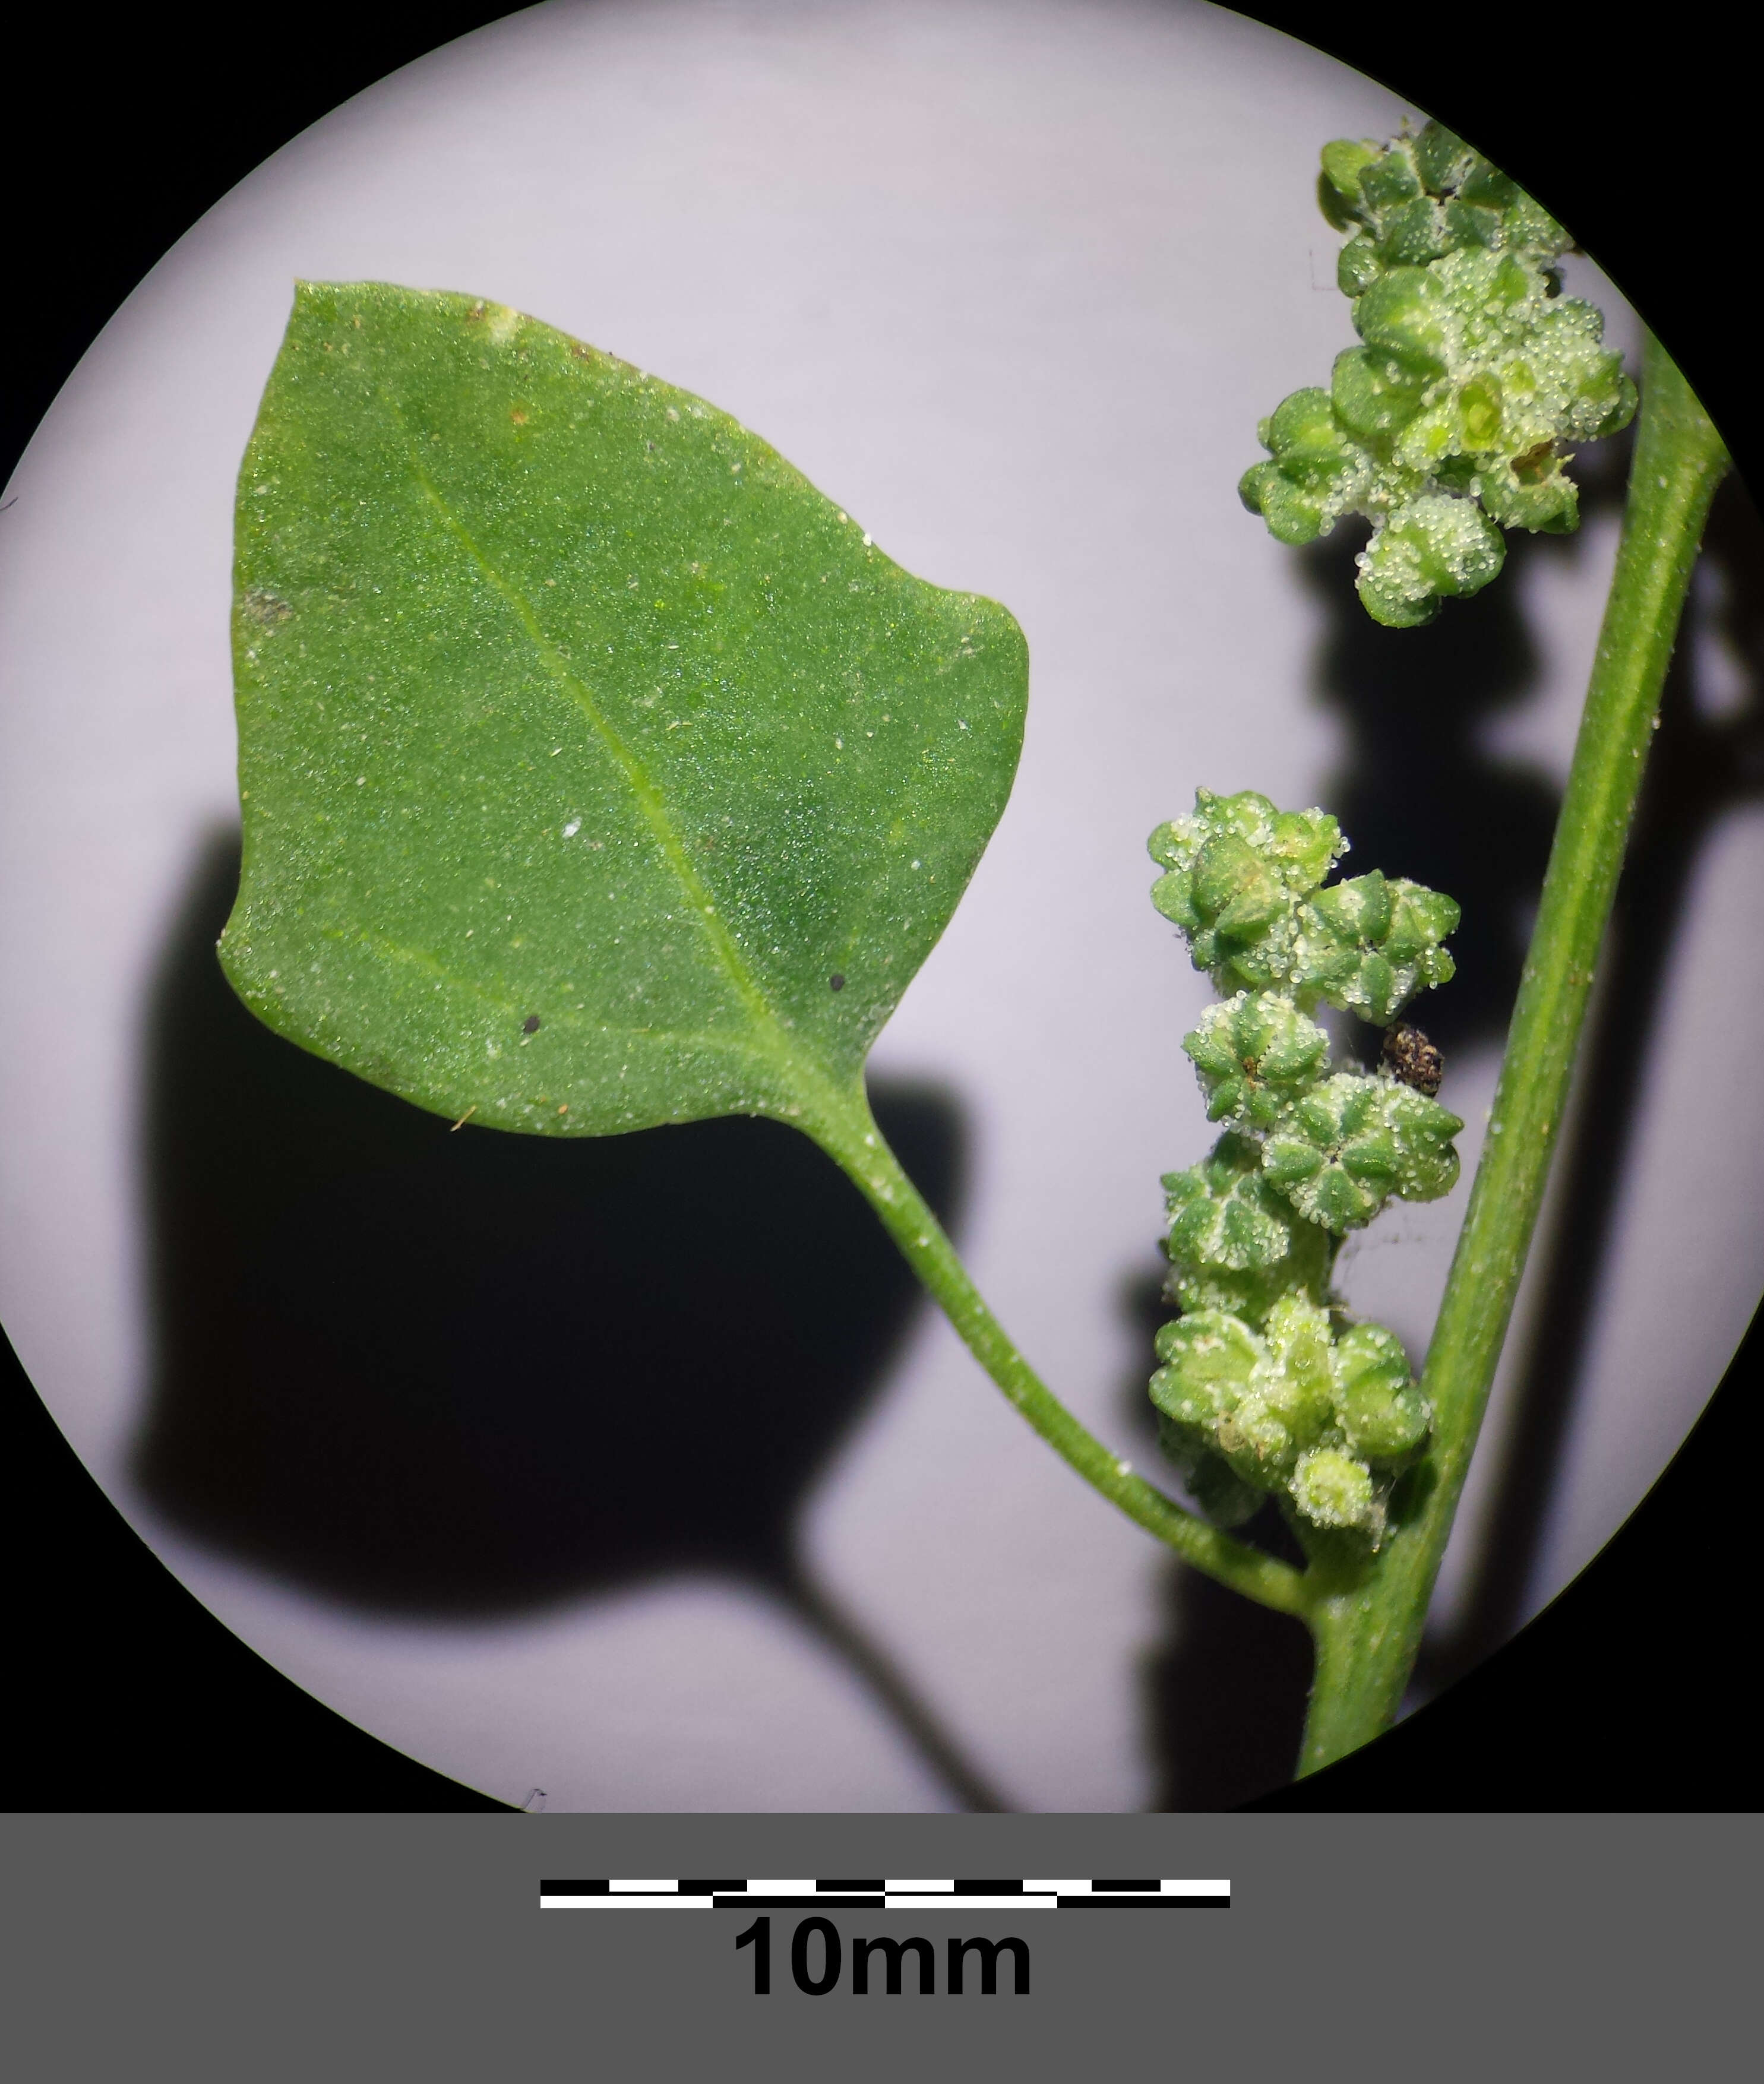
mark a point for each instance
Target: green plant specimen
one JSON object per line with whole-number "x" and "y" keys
{"x": 597, "y": 773}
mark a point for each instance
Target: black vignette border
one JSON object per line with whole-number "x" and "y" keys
{"x": 1637, "y": 138}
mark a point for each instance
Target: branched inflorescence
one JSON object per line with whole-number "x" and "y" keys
{"x": 1475, "y": 370}
{"x": 1267, "y": 1387}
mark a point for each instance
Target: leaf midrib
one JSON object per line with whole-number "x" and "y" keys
{"x": 771, "y": 1040}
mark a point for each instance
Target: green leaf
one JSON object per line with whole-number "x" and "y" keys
{"x": 596, "y": 770}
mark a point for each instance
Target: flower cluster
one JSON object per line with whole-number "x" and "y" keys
{"x": 1266, "y": 1388}
{"x": 1475, "y": 370}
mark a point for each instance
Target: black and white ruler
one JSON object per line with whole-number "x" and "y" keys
{"x": 697, "y": 1893}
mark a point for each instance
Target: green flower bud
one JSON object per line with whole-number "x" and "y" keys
{"x": 1254, "y": 1054}
{"x": 1209, "y": 1360}
{"x": 1443, "y": 159}
{"x": 1490, "y": 189}
{"x": 1413, "y": 234}
{"x": 1233, "y": 870}
{"x": 1373, "y": 398}
{"x": 1338, "y": 189}
{"x": 1532, "y": 493}
{"x": 1390, "y": 179}
{"x": 1530, "y": 228}
{"x": 1383, "y": 1416}
{"x": 1305, "y": 441}
{"x": 1369, "y": 944}
{"x": 1294, "y": 516}
{"x": 1479, "y": 412}
{"x": 1342, "y": 1151}
{"x": 1420, "y": 919}
{"x": 1333, "y": 1488}
{"x": 1430, "y": 548}
{"x": 1223, "y": 1214}
{"x": 1364, "y": 185}
{"x": 1251, "y": 1292}
{"x": 1250, "y": 485}
{"x": 1301, "y": 1357}
{"x": 1602, "y": 398}
{"x": 1256, "y": 1442}
{"x": 1236, "y": 890}
{"x": 1471, "y": 224}
{"x": 1407, "y": 314}
{"x": 1357, "y": 266}
{"x": 1316, "y": 469}
{"x": 1244, "y": 1414}
{"x": 1261, "y": 1402}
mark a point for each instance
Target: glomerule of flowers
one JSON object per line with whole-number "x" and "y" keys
{"x": 1266, "y": 1387}
{"x": 1475, "y": 370}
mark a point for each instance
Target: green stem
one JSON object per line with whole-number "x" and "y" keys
{"x": 847, "y": 1131}
{"x": 1367, "y": 1632}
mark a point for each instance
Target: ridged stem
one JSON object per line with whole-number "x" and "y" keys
{"x": 1368, "y": 1631}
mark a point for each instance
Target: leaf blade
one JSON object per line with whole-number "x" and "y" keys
{"x": 562, "y": 695}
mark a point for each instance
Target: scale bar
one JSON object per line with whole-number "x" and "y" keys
{"x": 724, "y": 1892}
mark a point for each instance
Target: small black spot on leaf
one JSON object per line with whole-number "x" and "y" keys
{"x": 836, "y": 982}
{"x": 530, "y": 1025}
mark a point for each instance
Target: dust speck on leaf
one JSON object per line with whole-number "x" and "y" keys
{"x": 264, "y": 606}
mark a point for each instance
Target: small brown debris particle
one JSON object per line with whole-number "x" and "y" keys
{"x": 468, "y": 1114}
{"x": 518, "y": 417}
{"x": 565, "y": 1108}
{"x": 1408, "y": 1055}
{"x": 836, "y": 982}
{"x": 530, "y": 1025}
{"x": 265, "y": 607}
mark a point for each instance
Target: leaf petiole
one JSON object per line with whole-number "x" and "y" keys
{"x": 846, "y": 1130}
